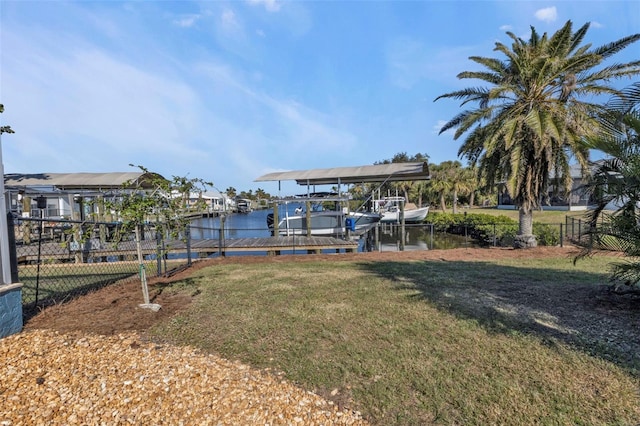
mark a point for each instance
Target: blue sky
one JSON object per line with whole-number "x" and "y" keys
{"x": 228, "y": 91}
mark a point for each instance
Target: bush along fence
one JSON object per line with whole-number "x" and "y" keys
{"x": 58, "y": 259}
{"x": 500, "y": 231}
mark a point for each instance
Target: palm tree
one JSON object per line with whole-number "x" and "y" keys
{"x": 535, "y": 113}
{"x": 616, "y": 182}
{"x": 418, "y": 190}
{"x": 403, "y": 187}
{"x": 231, "y": 192}
{"x": 441, "y": 183}
{"x": 462, "y": 183}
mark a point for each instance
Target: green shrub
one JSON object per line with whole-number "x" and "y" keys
{"x": 486, "y": 227}
{"x": 548, "y": 235}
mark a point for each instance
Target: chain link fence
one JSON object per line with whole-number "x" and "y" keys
{"x": 429, "y": 236}
{"x": 56, "y": 260}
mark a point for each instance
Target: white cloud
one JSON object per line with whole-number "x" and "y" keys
{"x": 187, "y": 21}
{"x": 596, "y": 24}
{"x": 77, "y": 108}
{"x": 229, "y": 21}
{"x": 548, "y": 14}
{"x": 292, "y": 121}
{"x": 409, "y": 61}
{"x": 406, "y": 60}
{"x": 269, "y": 5}
{"x": 506, "y": 27}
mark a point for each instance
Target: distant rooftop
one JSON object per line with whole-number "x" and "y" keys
{"x": 73, "y": 181}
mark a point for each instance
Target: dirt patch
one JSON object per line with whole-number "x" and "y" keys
{"x": 101, "y": 338}
{"x": 114, "y": 309}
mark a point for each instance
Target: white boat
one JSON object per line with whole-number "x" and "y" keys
{"x": 389, "y": 208}
{"x": 326, "y": 222}
{"x": 243, "y": 205}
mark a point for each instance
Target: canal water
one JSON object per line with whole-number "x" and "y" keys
{"x": 254, "y": 225}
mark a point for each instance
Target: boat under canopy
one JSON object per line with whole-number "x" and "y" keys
{"x": 336, "y": 222}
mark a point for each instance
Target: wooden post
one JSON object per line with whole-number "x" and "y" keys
{"x": 308, "y": 214}
{"x": 376, "y": 240}
{"x": 222, "y": 238}
{"x": 276, "y": 219}
{"x": 26, "y": 204}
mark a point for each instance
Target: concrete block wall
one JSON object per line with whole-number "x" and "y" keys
{"x": 10, "y": 309}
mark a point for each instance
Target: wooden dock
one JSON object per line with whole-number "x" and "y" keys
{"x": 126, "y": 250}
{"x": 276, "y": 245}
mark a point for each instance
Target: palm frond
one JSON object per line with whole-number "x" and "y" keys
{"x": 464, "y": 93}
{"x": 489, "y": 77}
{"x": 628, "y": 99}
{"x": 578, "y": 36}
{"x": 560, "y": 41}
{"x": 614, "y": 47}
{"x": 493, "y": 64}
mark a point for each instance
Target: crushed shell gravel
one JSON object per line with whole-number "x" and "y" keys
{"x": 58, "y": 379}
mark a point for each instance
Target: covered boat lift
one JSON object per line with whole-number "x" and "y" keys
{"x": 378, "y": 173}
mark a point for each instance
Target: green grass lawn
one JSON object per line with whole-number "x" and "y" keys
{"x": 57, "y": 281}
{"x": 429, "y": 342}
{"x": 552, "y": 217}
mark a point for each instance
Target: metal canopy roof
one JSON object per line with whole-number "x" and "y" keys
{"x": 391, "y": 172}
{"x": 73, "y": 180}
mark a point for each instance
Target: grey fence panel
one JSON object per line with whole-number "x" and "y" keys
{"x": 59, "y": 259}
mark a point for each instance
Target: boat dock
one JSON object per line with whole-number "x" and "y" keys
{"x": 126, "y": 250}
{"x": 273, "y": 245}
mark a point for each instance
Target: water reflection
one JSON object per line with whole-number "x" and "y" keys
{"x": 254, "y": 224}
{"x": 418, "y": 237}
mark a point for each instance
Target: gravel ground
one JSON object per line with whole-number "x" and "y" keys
{"x": 88, "y": 361}
{"x": 54, "y": 378}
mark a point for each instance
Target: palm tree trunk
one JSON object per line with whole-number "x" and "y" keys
{"x": 455, "y": 202}
{"x": 525, "y": 237}
{"x": 443, "y": 205}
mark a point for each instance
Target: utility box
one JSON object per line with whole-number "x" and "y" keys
{"x": 350, "y": 224}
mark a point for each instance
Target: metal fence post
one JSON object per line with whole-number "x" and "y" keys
{"x": 561, "y": 236}
{"x": 188, "y": 236}
{"x": 573, "y": 229}
{"x": 38, "y": 264}
{"x": 13, "y": 257}
{"x": 579, "y": 229}
{"x": 159, "y": 252}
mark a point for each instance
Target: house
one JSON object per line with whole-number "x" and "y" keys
{"x": 577, "y": 199}
{"x": 215, "y": 202}
{"x": 65, "y": 195}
